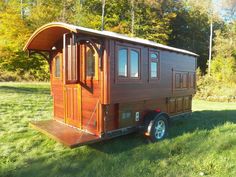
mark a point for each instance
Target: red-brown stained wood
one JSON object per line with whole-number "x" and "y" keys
{"x": 69, "y": 136}
{"x": 103, "y": 102}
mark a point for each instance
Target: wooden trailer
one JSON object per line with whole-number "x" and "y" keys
{"x": 106, "y": 84}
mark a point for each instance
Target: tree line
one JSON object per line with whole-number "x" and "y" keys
{"x": 179, "y": 23}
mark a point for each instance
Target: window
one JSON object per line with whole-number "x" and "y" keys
{"x": 134, "y": 63}
{"x": 191, "y": 80}
{"x": 57, "y": 67}
{"x": 70, "y": 59}
{"x": 128, "y": 63}
{"x": 90, "y": 63}
{"x": 180, "y": 79}
{"x": 122, "y": 62}
{"x": 177, "y": 80}
{"x": 72, "y": 64}
{"x": 154, "y": 64}
{"x": 153, "y": 69}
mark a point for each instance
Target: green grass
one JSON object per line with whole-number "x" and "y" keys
{"x": 203, "y": 143}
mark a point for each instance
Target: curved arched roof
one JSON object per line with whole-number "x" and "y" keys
{"x": 46, "y": 36}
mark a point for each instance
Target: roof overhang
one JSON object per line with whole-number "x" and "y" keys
{"x": 44, "y": 38}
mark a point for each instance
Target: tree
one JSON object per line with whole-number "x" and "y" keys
{"x": 191, "y": 28}
{"x": 13, "y": 36}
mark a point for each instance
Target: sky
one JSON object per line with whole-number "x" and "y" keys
{"x": 218, "y": 7}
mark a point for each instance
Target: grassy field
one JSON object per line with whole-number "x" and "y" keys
{"x": 201, "y": 145}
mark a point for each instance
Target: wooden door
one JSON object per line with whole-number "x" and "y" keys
{"x": 56, "y": 75}
{"x": 90, "y": 88}
{"x": 73, "y": 105}
{"x": 72, "y": 88}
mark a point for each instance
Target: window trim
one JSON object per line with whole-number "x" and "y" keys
{"x": 127, "y": 79}
{"x": 59, "y": 55}
{"x": 188, "y": 80}
{"x": 95, "y": 76}
{"x": 83, "y": 63}
{"x": 150, "y": 60}
{"x": 73, "y": 48}
{"x": 127, "y": 59}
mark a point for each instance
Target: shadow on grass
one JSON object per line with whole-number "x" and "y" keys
{"x": 104, "y": 154}
{"x": 199, "y": 120}
{"x": 25, "y": 90}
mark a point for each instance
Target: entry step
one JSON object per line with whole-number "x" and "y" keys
{"x": 63, "y": 133}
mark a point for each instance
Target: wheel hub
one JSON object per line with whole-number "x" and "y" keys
{"x": 160, "y": 129}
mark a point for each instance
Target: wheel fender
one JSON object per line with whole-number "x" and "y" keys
{"x": 154, "y": 119}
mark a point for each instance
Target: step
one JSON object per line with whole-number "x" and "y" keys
{"x": 69, "y": 136}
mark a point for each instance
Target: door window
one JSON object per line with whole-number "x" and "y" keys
{"x": 71, "y": 60}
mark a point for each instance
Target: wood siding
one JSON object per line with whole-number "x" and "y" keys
{"x": 171, "y": 92}
{"x": 57, "y": 89}
{"x": 104, "y": 103}
{"x": 144, "y": 90}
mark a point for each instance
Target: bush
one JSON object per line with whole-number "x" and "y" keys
{"x": 223, "y": 69}
{"x": 9, "y": 76}
{"x": 31, "y": 75}
{"x": 211, "y": 89}
{"x": 221, "y": 84}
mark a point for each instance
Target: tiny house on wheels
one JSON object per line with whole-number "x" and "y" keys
{"x": 106, "y": 84}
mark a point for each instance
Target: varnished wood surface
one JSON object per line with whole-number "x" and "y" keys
{"x": 57, "y": 90}
{"x": 65, "y": 134}
{"x": 144, "y": 89}
{"x": 171, "y": 92}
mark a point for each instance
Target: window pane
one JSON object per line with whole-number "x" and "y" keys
{"x": 69, "y": 64}
{"x": 122, "y": 62}
{"x": 154, "y": 55}
{"x": 90, "y": 63}
{"x": 57, "y": 66}
{"x": 153, "y": 69}
{"x": 134, "y": 63}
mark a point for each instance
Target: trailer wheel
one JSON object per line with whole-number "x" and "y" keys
{"x": 158, "y": 128}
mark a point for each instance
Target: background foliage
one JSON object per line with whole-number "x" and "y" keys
{"x": 179, "y": 23}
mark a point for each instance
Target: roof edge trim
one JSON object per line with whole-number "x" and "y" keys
{"x": 46, "y": 26}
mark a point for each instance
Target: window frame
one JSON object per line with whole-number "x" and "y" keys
{"x": 127, "y": 62}
{"x": 128, "y": 78}
{"x": 70, "y": 56}
{"x": 83, "y": 63}
{"x": 59, "y": 56}
{"x": 95, "y": 74}
{"x": 150, "y": 60}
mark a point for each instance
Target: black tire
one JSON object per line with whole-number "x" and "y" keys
{"x": 158, "y": 128}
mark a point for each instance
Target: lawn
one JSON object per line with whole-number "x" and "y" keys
{"x": 203, "y": 144}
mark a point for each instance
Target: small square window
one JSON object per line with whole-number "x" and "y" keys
{"x": 154, "y": 55}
